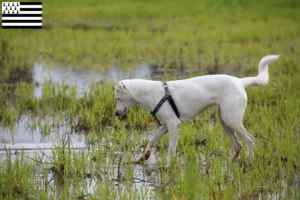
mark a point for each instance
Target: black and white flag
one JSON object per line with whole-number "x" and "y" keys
{"x": 21, "y": 14}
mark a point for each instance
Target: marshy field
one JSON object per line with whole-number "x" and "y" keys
{"x": 60, "y": 138}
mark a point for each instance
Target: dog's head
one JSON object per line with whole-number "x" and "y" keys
{"x": 124, "y": 99}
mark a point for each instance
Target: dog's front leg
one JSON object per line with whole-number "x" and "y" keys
{"x": 173, "y": 130}
{"x": 159, "y": 134}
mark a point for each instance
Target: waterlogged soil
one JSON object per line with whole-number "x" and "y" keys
{"x": 28, "y": 138}
{"x": 79, "y": 77}
{"x": 30, "y": 144}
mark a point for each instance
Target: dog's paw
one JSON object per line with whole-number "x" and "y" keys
{"x": 147, "y": 155}
{"x": 142, "y": 158}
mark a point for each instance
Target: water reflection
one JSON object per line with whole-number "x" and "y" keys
{"x": 28, "y": 137}
{"x": 83, "y": 78}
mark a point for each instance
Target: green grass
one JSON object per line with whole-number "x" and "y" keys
{"x": 200, "y": 37}
{"x": 129, "y": 32}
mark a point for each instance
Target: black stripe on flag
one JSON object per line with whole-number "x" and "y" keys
{"x": 30, "y": 9}
{"x": 21, "y": 27}
{"x": 30, "y": 3}
{"x": 21, "y": 15}
{"x": 22, "y": 21}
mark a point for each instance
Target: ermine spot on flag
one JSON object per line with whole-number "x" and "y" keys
{"x": 22, "y": 15}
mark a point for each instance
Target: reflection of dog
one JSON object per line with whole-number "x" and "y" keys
{"x": 192, "y": 96}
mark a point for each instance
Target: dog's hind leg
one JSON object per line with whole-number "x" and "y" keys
{"x": 232, "y": 113}
{"x": 248, "y": 138}
{"x": 236, "y": 144}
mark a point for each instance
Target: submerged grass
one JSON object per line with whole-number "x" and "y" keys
{"x": 179, "y": 39}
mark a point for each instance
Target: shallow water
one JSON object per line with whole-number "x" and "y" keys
{"x": 29, "y": 138}
{"x": 79, "y": 77}
{"x": 83, "y": 78}
{"x": 144, "y": 177}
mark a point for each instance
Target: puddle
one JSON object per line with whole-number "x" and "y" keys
{"x": 33, "y": 143}
{"x": 145, "y": 178}
{"x": 83, "y": 78}
{"x": 79, "y": 77}
{"x": 24, "y": 137}
{"x": 28, "y": 136}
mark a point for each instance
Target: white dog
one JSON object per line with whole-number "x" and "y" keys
{"x": 191, "y": 96}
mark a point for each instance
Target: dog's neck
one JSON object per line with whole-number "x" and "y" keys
{"x": 143, "y": 91}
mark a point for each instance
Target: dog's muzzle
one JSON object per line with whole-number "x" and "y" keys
{"x": 119, "y": 114}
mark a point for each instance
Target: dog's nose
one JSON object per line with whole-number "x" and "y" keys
{"x": 117, "y": 113}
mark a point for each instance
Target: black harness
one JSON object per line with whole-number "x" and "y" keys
{"x": 163, "y": 100}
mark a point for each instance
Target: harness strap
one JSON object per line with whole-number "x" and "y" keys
{"x": 168, "y": 97}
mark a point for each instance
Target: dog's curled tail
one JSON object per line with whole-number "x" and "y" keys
{"x": 263, "y": 75}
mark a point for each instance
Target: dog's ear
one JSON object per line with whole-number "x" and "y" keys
{"x": 123, "y": 86}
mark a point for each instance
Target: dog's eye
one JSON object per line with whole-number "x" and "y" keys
{"x": 118, "y": 99}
